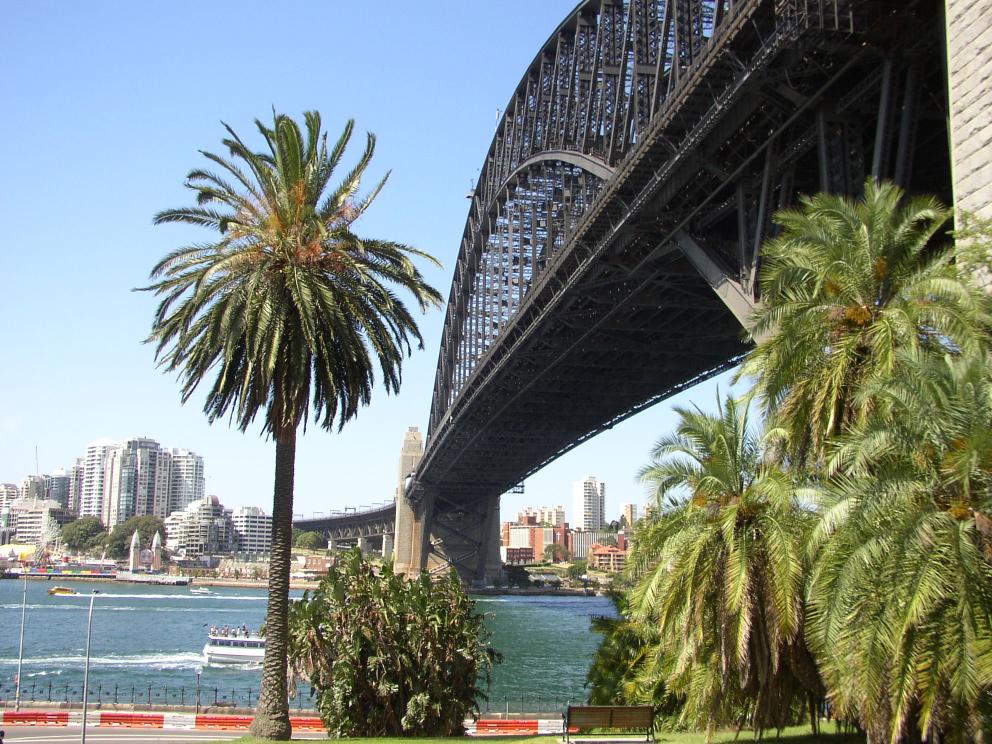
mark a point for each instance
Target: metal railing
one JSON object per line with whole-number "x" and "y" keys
{"x": 204, "y": 697}
{"x": 143, "y": 695}
{"x": 348, "y": 511}
{"x": 517, "y": 704}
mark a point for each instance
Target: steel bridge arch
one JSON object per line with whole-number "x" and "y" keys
{"x": 583, "y": 101}
{"x": 610, "y": 254}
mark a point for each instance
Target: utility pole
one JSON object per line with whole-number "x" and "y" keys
{"x": 20, "y": 647}
{"x": 86, "y": 668}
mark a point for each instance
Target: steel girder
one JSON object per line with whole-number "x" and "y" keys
{"x": 636, "y": 167}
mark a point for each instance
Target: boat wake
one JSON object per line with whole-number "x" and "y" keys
{"x": 184, "y": 660}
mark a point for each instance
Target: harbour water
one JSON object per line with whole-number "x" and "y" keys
{"x": 148, "y": 640}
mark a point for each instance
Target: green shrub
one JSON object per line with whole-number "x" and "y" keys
{"x": 388, "y": 656}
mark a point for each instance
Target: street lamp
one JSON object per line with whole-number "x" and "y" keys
{"x": 20, "y": 647}
{"x": 199, "y": 670}
{"x": 86, "y": 668}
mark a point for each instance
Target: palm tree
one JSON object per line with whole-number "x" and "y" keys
{"x": 720, "y": 575}
{"x": 845, "y": 286}
{"x": 291, "y": 309}
{"x": 611, "y": 676}
{"x": 900, "y": 600}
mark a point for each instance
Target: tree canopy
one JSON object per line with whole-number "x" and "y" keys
{"x": 119, "y": 540}
{"x": 83, "y": 534}
{"x": 309, "y": 541}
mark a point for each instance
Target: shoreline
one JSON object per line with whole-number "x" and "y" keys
{"x": 193, "y": 581}
{"x": 302, "y": 585}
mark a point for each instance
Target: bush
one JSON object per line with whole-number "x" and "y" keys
{"x": 85, "y": 533}
{"x": 309, "y": 540}
{"x": 387, "y": 656}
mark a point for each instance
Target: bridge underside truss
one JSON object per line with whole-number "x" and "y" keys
{"x": 610, "y": 255}
{"x": 351, "y": 526}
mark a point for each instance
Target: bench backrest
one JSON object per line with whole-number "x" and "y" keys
{"x": 610, "y": 716}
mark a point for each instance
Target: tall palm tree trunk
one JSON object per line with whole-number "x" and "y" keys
{"x": 272, "y": 715}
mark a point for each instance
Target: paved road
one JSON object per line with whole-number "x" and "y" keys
{"x": 70, "y": 735}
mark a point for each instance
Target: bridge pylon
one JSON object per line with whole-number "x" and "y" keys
{"x": 411, "y": 452}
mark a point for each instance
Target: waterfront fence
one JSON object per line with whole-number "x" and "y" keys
{"x": 227, "y": 697}
{"x": 142, "y": 695}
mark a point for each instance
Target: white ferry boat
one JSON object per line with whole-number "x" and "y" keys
{"x": 233, "y": 647}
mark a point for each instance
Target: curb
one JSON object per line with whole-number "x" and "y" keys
{"x": 210, "y": 722}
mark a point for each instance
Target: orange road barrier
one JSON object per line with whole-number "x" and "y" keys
{"x": 35, "y": 718}
{"x": 132, "y": 720}
{"x": 223, "y": 723}
{"x": 508, "y": 727}
{"x": 482, "y": 727}
{"x": 307, "y": 724}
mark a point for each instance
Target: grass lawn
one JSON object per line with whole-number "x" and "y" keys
{"x": 794, "y": 735}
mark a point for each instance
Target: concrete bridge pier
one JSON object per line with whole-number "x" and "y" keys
{"x": 412, "y": 538}
{"x": 403, "y": 535}
{"x": 411, "y": 453}
{"x": 365, "y": 545}
{"x": 387, "y": 547}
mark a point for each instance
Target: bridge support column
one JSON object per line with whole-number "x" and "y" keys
{"x": 403, "y": 535}
{"x": 490, "y": 565}
{"x": 413, "y": 532}
{"x": 387, "y": 546}
{"x": 364, "y": 545}
{"x": 410, "y": 455}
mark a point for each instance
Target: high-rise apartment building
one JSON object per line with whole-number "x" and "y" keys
{"x": 116, "y": 481}
{"x": 629, "y": 514}
{"x": 94, "y": 471}
{"x": 8, "y": 494}
{"x": 34, "y": 487}
{"x": 57, "y": 487}
{"x": 76, "y": 474}
{"x": 252, "y": 530}
{"x": 137, "y": 481}
{"x": 590, "y": 503}
{"x": 187, "y": 484}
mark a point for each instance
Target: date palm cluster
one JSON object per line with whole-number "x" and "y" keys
{"x": 835, "y": 561}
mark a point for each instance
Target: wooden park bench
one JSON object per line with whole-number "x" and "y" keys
{"x": 609, "y": 716}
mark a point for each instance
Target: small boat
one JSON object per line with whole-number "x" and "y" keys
{"x": 62, "y": 590}
{"x": 202, "y": 591}
{"x": 233, "y": 646}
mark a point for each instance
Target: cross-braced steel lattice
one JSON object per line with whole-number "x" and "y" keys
{"x": 610, "y": 254}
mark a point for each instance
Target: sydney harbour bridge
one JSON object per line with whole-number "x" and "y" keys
{"x": 610, "y": 254}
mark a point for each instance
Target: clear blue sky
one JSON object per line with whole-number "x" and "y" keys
{"x": 105, "y": 107}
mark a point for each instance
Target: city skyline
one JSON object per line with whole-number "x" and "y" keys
{"x": 82, "y": 368}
